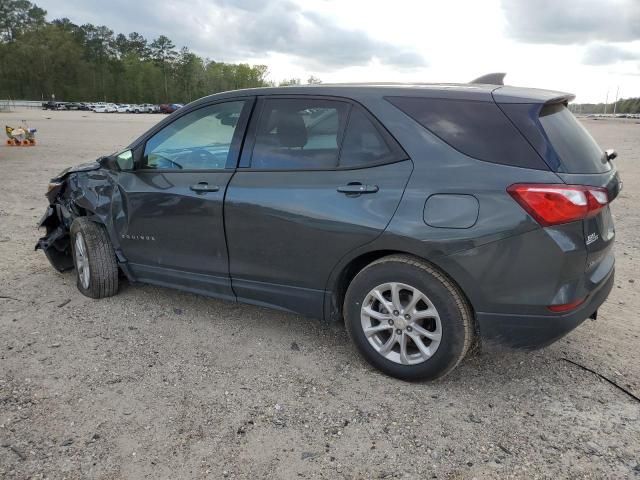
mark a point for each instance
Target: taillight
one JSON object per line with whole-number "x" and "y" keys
{"x": 554, "y": 204}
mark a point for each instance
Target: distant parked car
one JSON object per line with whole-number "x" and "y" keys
{"x": 124, "y": 108}
{"x": 170, "y": 107}
{"x": 53, "y": 105}
{"x": 73, "y": 106}
{"x": 105, "y": 108}
{"x": 144, "y": 108}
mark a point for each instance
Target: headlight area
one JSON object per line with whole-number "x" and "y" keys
{"x": 53, "y": 185}
{"x": 53, "y": 189}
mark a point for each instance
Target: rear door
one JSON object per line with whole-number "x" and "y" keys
{"x": 171, "y": 226}
{"x": 318, "y": 178}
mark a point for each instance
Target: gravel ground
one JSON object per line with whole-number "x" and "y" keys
{"x": 154, "y": 383}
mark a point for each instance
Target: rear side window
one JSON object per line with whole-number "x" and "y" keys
{"x": 298, "y": 134}
{"x": 364, "y": 144}
{"x": 477, "y": 129}
{"x": 320, "y": 134}
{"x": 578, "y": 152}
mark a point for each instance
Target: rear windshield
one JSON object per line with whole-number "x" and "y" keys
{"x": 576, "y": 149}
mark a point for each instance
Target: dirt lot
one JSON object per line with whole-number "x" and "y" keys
{"x": 155, "y": 383}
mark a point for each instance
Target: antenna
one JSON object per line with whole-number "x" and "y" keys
{"x": 491, "y": 79}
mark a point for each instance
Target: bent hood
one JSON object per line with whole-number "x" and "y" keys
{"x": 83, "y": 167}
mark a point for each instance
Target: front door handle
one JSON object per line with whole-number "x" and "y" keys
{"x": 357, "y": 188}
{"x": 203, "y": 187}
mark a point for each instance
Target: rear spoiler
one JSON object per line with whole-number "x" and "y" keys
{"x": 509, "y": 94}
{"x": 564, "y": 98}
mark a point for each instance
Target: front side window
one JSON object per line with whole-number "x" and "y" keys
{"x": 199, "y": 140}
{"x": 299, "y": 134}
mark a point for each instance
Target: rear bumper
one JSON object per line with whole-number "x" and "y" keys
{"x": 537, "y": 331}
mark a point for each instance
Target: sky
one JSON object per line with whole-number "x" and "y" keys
{"x": 587, "y": 47}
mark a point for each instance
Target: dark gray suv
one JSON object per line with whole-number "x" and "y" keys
{"x": 427, "y": 216}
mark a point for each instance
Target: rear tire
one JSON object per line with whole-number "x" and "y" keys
{"x": 423, "y": 333}
{"x": 94, "y": 259}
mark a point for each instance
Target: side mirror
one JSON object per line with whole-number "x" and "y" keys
{"x": 611, "y": 154}
{"x": 109, "y": 162}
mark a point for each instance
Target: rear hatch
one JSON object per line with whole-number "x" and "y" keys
{"x": 570, "y": 151}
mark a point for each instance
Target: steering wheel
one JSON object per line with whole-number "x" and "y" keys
{"x": 204, "y": 154}
{"x": 167, "y": 160}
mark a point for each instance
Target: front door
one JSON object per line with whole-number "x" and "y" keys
{"x": 321, "y": 179}
{"x": 171, "y": 228}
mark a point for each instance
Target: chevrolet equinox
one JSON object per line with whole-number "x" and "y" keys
{"x": 428, "y": 217}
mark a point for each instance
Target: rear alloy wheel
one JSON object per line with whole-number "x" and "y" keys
{"x": 408, "y": 319}
{"x": 94, "y": 259}
{"x": 401, "y": 323}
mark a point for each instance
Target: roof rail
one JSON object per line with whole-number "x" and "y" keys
{"x": 491, "y": 79}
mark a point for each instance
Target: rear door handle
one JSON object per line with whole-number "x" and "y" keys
{"x": 203, "y": 187}
{"x": 357, "y": 189}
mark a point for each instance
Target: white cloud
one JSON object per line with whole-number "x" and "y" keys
{"x": 557, "y": 44}
{"x": 606, "y": 54}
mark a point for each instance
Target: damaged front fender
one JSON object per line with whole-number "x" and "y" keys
{"x": 87, "y": 190}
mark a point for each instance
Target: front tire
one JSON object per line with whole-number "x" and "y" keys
{"x": 407, "y": 319}
{"x": 94, "y": 259}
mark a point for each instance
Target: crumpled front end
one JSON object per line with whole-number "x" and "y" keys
{"x": 55, "y": 244}
{"x": 79, "y": 191}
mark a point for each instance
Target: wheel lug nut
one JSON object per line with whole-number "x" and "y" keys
{"x": 396, "y": 313}
{"x": 409, "y": 329}
{"x": 407, "y": 317}
{"x": 390, "y": 321}
{"x": 398, "y": 331}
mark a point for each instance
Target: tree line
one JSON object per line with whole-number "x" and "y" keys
{"x": 87, "y": 62}
{"x": 624, "y": 105}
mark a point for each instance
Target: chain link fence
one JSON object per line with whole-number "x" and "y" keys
{"x": 12, "y": 105}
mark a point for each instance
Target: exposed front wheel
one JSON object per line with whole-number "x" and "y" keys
{"x": 94, "y": 259}
{"x": 407, "y": 319}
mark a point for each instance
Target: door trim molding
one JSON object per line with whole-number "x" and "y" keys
{"x": 202, "y": 284}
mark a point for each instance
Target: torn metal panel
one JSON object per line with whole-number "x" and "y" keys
{"x": 85, "y": 190}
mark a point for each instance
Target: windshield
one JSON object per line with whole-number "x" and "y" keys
{"x": 577, "y": 150}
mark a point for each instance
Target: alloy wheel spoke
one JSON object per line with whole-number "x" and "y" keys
{"x": 79, "y": 248}
{"x": 423, "y": 332}
{"x": 424, "y": 350}
{"x": 386, "y": 347}
{"x": 376, "y": 315}
{"x": 415, "y": 298}
{"x": 378, "y": 328}
{"x": 395, "y": 296}
{"x": 404, "y": 358}
{"x": 428, "y": 313}
{"x": 383, "y": 301}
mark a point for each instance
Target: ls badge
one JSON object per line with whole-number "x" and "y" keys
{"x": 592, "y": 238}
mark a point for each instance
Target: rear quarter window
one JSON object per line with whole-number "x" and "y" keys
{"x": 478, "y": 129}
